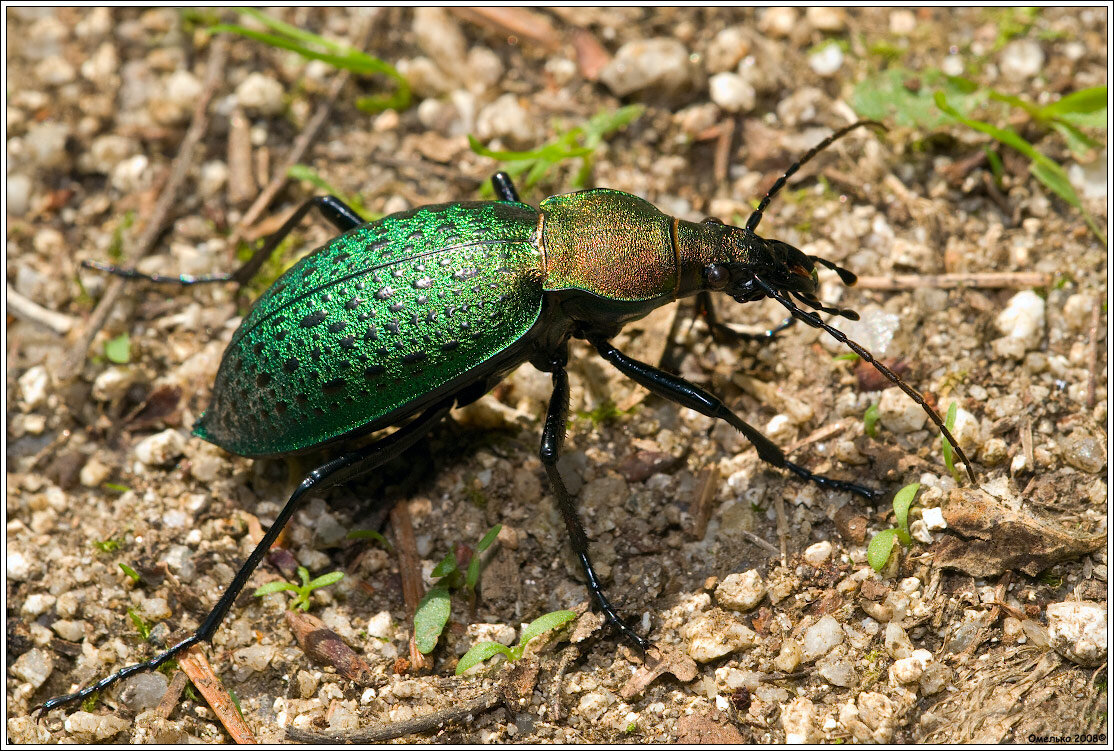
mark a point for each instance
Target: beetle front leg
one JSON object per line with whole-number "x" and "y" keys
{"x": 721, "y": 332}
{"x": 335, "y": 472}
{"x": 678, "y": 390}
{"x": 553, "y": 436}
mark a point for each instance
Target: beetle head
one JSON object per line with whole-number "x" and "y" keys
{"x": 758, "y": 265}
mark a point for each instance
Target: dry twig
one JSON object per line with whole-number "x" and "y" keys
{"x": 409, "y": 566}
{"x": 980, "y": 280}
{"x": 200, "y": 672}
{"x": 169, "y": 700}
{"x": 415, "y": 725}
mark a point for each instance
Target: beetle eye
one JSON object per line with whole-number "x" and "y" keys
{"x": 716, "y": 277}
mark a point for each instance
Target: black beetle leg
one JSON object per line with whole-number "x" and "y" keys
{"x": 678, "y": 390}
{"x": 332, "y": 473}
{"x": 504, "y": 187}
{"x": 553, "y": 436}
{"x": 721, "y": 332}
{"x": 339, "y": 214}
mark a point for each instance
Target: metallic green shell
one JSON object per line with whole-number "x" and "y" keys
{"x": 612, "y": 244}
{"x": 375, "y": 324}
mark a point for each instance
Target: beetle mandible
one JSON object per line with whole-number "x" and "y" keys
{"x": 408, "y": 316}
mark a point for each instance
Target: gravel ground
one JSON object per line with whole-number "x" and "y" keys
{"x": 795, "y": 637}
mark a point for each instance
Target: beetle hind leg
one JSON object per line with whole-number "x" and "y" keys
{"x": 553, "y": 436}
{"x": 335, "y": 472}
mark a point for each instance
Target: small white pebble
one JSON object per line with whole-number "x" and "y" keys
{"x": 817, "y": 554}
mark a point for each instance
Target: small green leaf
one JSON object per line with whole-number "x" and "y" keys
{"x": 481, "y": 652}
{"x": 325, "y": 580}
{"x": 446, "y": 566}
{"x": 870, "y": 421}
{"x": 946, "y": 445}
{"x": 1083, "y": 102}
{"x": 303, "y": 574}
{"x": 430, "y": 618}
{"x": 276, "y": 586}
{"x": 880, "y": 548}
{"x": 118, "y": 350}
{"x": 107, "y": 546}
{"x": 903, "y": 499}
{"x": 131, "y": 572}
{"x": 544, "y": 623}
{"x": 846, "y": 356}
{"x": 116, "y": 487}
{"x": 472, "y": 577}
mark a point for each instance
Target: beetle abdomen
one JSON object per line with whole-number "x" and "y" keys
{"x": 375, "y": 324}
{"x": 609, "y": 243}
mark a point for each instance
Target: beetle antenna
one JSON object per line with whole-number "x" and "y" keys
{"x": 816, "y": 322}
{"x": 756, "y": 217}
{"x": 845, "y": 276}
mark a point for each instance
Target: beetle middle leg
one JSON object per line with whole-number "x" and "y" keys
{"x": 553, "y": 436}
{"x": 678, "y": 390}
{"x": 340, "y": 215}
{"x": 335, "y": 472}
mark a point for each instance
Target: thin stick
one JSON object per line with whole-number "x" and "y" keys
{"x": 169, "y": 198}
{"x": 722, "y": 160}
{"x": 194, "y": 665}
{"x": 707, "y": 485}
{"x": 174, "y": 691}
{"x": 818, "y": 435}
{"x": 1093, "y": 356}
{"x": 409, "y": 566}
{"x": 984, "y": 280}
{"x": 29, "y": 310}
{"x": 301, "y": 145}
{"x": 415, "y": 725}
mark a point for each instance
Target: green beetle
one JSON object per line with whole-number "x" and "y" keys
{"x": 399, "y": 320}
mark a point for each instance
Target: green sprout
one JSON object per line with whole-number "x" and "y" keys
{"x": 302, "y": 591}
{"x": 487, "y": 649}
{"x": 881, "y": 545}
{"x": 433, "y": 611}
{"x": 118, "y": 350}
{"x": 870, "y": 421}
{"x": 314, "y": 47}
{"x": 579, "y": 142}
{"x": 131, "y": 572}
{"x": 141, "y": 625}
{"x": 846, "y": 356}
{"x": 116, "y": 487}
{"x": 107, "y": 546}
{"x": 945, "y": 444}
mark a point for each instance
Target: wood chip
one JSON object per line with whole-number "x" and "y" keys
{"x": 324, "y": 646}
{"x": 194, "y": 664}
{"x": 519, "y": 22}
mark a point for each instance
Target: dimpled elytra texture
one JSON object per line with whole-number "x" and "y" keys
{"x": 386, "y": 316}
{"x": 609, "y": 243}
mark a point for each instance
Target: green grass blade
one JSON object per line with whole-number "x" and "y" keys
{"x": 1083, "y": 102}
